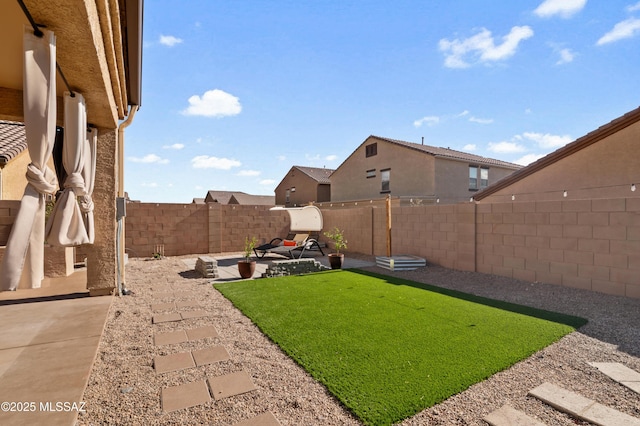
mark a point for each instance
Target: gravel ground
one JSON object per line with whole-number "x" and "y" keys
{"x": 124, "y": 389}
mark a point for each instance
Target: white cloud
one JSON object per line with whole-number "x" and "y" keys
{"x": 174, "y": 146}
{"x": 634, "y": 7}
{"x": 528, "y": 159}
{"x": 566, "y": 56}
{"x": 506, "y": 147}
{"x": 562, "y": 8}
{"x": 429, "y": 121}
{"x": 463, "y": 113}
{"x": 149, "y": 184}
{"x": 207, "y": 162}
{"x": 214, "y": 103}
{"x": 469, "y": 147}
{"x": 149, "y": 159}
{"x": 625, "y": 29}
{"x": 547, "y": 140}
{"x": 331, "y": 157}
{"x": 481, "y": 120}
{"x": 248, "y": 173}
{"x": 170, "y": 40}
{"x": 482, "y": 48}
{"x": 267, "y": 182}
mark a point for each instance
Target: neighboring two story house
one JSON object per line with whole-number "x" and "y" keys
{"x": 304, "y": 185}
{"x": 381, "y": 166}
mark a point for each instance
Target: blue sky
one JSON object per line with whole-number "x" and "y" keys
{"x": 237, "y": 92}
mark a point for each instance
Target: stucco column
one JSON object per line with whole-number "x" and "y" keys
{"x": 101, "y": 256}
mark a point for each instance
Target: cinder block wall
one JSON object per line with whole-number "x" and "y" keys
{"x": 588, "y": 244}
{"x": 180, "y": 228}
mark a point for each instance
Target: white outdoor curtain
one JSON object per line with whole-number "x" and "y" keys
{"x": 71, "y": 222}
{"x": 25, "y": 247}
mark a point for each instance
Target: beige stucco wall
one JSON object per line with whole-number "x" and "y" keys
{"x": 13, "y": 177}
{"x": 605, "y": 169}
{"x": 412, "y": 173}
{"x": 305, "y": 193}
{"x": 452, "y": 179}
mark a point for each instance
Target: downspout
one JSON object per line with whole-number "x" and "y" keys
{"x": 120, "y": 216}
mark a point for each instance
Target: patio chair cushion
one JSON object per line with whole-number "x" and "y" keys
{"x": 289, "y": 243}
{"x": 300, "y": 238}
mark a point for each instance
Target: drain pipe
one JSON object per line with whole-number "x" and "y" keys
{"x": 121, "y": 203}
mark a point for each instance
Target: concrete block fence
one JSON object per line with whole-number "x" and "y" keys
{"x": 589, "y": 244}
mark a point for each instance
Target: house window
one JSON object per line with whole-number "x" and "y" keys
{"x": 478, "y": 177}
{"x": 371, "y": 150}
{"x": 385, "y": 176}
{"x": 371, "y": 173}
{"x": 288, "y": 196}
{"x": 293, "y": 189}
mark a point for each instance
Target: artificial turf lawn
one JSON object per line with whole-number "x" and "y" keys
{"x": 388, "y": 348}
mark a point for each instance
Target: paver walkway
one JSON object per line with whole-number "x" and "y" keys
{"x": 198, "y": 392}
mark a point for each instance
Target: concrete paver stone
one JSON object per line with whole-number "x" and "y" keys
{"x": 265, "y": 419}
{"x": 194, "y": 314}
{"x": 170, "y": 338}
{"x": 159, "y": 318}
{"x": 156, "y": 307}
{"x": 173, "y": 362}
{"x": 210, "y": 355}
{"x": 509, "y": 416}
{"x": 184, "y": 396}
{"x": 202, "y": 333}
{"x": 188, "y": 304}
{"x": 164, "y": 295}
{"x": 620, "y": 373}
{"x": 230, "y": 384}
{"x": 581, "y": 407}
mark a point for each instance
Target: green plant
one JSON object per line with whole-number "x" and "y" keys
{"x": 337, "y": 236}
{"x": 249, "y": 245}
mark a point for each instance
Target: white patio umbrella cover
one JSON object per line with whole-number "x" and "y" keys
{"x": 25, "y": 247}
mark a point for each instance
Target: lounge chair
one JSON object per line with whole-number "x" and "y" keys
{"x": 290, "y": 246}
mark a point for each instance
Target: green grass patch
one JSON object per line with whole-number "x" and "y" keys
{"x": 388, "y": 348}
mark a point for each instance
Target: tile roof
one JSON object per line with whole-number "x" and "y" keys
{"x": 12, "y": 140}
{"x": 227, "y": 197}
{"x": 590, "y": 138}
{"x": 451, "y": 153}
{"x": 321, "y": 175}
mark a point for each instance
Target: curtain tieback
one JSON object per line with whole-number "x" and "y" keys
{"x": 44, "y": 181}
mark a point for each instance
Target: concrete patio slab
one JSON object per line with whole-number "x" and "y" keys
{"x": 509, "y": 416}
{"x": 581, "y": 407}
{"x": 173, "y": 362}
{"x": 202, "y": 333}
{"x": 184, "y": 396}
{"x": 210, "y": 355}
{"x": 194, "y": 314}
{"x": 170, "y": 338}
{"x": 266, "y": 419}
{"x": 158, "y": 307}
{"x": 44, "y": 356}
{"x": 230, "y": 385}
{"x": 160, "y": 318}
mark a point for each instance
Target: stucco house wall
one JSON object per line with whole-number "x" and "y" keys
{"x": 13, "y": 178}
{"x": 421, "y": 171}
{"x": 602, "y": 164}
{"x": 411, "y": 173}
